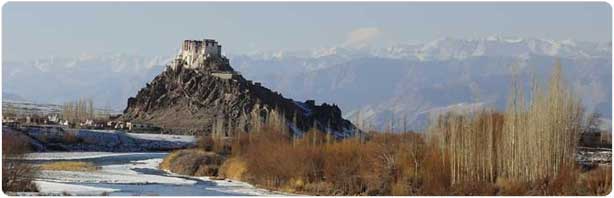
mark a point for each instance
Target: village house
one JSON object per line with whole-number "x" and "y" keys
{"x": 138, "y": 126}
{"x": 53, "y": 119}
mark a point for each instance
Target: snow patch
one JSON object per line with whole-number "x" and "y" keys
{"x": 54, "y": 188}
{"x": 117, "y": 174}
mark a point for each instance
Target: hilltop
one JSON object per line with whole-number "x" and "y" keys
{"x": 200, "y": 91}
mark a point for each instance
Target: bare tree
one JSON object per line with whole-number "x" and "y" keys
{"x": 17, "y": 175}
{"x": 541, "y": 138}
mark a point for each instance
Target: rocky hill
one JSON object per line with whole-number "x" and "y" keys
{"x": 200, "y": 91}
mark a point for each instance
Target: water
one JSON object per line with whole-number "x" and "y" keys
{"x": 124, "y": 167}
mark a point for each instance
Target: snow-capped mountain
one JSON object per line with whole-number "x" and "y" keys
{"x": 405, "y": 79}
{"x": 453, "y": 48}
{"x": 108, "y": 79}
{"x": 450, "y": 48}
{"x": 397, "y": 81}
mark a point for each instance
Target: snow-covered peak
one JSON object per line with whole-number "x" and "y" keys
{"x": 453, "y": 48}
{"x": 447, "y": 48}
{"x": 108, "y": 62}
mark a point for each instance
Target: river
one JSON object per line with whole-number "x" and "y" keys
{"x": 130, "y": 174}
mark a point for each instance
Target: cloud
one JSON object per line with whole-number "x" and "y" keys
{"x": 361, "y": 37}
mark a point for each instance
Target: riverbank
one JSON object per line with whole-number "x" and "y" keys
{"x": 54, "y": 138}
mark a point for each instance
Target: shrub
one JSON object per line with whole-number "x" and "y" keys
{"x": 469, "y": 188}
{"x": 510, "y": 187}
{"x": 233, "y": 168}
{"x": 342, "y": 163}
{"x": 564, "y": 182}
{"x": 266, "y": 164}
{"x": 436, "y": 174}
{"x": 193, "y": 162}
{"x": 597, "y": 182}
{"x": 215, "y": 144}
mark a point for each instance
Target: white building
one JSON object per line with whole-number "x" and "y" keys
{"x": 195, "y": 51}
{"x": 53, "y": 118}
{"x": 138, "y": 126}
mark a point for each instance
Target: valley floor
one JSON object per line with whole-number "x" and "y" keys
{"x": 127, "y": 174}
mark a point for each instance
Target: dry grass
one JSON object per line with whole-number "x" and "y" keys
{"x": 233, "y": 168}
{"x": 69, "y": 166}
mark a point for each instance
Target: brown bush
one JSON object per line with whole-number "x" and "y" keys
{"x": 563, "y": 183}
{"x": 509, "y": 187}
{"x": 17, "y": 175}
{"x": 342, "y": 165}
{"x": 391, "y": 161}
{"x": 193, "y": 162}
{"x": 215, "y": 144}
{"x": 469, "y": 188}
{"x": 233, "y": 168}
{"x": 597, "y": 182}
{"x": 274, "y": 160}
{"x": 436, "y": 174}
{"x": 267, "y": 158}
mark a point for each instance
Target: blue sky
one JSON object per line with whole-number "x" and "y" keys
{"x": 39, "y": 29}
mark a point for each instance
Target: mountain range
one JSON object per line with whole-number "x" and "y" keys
{"x": 375, "y": 84}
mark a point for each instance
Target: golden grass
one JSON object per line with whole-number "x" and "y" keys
{"x": 69, "y": 166}
{"x": 233, "y": 168}
{"x": 166, "y": 162}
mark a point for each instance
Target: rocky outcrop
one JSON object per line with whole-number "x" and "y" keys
{"x": 197, "y": 94}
